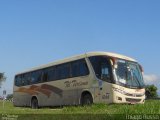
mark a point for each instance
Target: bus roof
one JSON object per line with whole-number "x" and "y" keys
{"x": 111, "y": 55}
{"x": 89, "y": 54}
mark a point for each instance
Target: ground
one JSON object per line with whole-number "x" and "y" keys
{"x": 150, "y": 109}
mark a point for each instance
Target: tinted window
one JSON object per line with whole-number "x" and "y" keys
{"x": 26, "y": 78}
{"x": 18, "y": 81}
{"x": 102, "y": 67}
{"x": 79, "y": 68}
{"x": 75, "y": 69}
{"x": 83, "y": 69}
{"x": 36, "y": 77}
{"x": 49, "y": 74}
{"x": 63, "y": 71}
{"x": 58, "y": 72}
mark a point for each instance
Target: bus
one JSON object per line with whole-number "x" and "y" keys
{"x": 93, "y": 77}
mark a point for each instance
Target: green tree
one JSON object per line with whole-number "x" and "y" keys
{"x": 9, "y": 97}
{"x": 2, "y": 78}
{"x": 151, "y": 91}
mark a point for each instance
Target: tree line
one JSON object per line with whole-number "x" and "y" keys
{"x": 151, "y": 92}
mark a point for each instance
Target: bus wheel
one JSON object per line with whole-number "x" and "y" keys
{"x": 86, "y": 99}
{"x": 34, "y": 103}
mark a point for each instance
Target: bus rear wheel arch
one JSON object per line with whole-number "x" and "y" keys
{"x": 86, "y": 98}
{"x": 34, "y": 103}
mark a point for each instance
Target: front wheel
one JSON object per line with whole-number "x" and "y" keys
{"x": 86, "y": 99}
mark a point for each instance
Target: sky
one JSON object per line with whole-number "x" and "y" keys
{"x": 35, "y": 32}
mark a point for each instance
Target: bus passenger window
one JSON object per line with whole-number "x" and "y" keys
{"x": 26, "y": 79}
{"x": 58, "y": 72}
{"x": 51, "y": 74}
{"x": 36, "y": 77}
{"x": 65, "y": 72}
{"x": 79, "y": 68}
{"x": 75, "y": 69}
{"x": 83, "y": 68}
{"x": 18, "y": 81}
{"x": 23, "y": 80}
{"x": 45, "y": 76}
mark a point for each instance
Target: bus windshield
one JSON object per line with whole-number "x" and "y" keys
{"x": 129, "y": 74}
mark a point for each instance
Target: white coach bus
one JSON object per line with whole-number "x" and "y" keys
{"x": 95, "y": 77}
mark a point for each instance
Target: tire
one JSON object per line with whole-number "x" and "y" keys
{"x": 86, "y": 100}
{"x": 34, "y": 103}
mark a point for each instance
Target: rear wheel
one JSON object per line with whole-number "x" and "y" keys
{"x": 34, "y": 103}
{"x": 86, "y": 99}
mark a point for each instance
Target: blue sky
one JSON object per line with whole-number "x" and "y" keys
{"x": 35, "y": 32}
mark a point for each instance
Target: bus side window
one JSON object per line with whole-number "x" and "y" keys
{"x": 18, "y": 81}
{"x": 36, "y": 77}
{"x": 45, "y": 75}
{"x": 33, "y": 78}
{"x": 79, "y": 68}
{"x": 27, "y": 79}
{"x": 65, "y": 72}
{"x": 75, "y": 69}
{"x": 23, "y": 80}
{"x": 50, "y": 74}
{"x": 83, "y": 68}
{"x": 58, "y": 72}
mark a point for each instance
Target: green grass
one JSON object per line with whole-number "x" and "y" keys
{"x": 78, "y": 112}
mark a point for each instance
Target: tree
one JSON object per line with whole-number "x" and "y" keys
{"x": 151, "y": 91}
{"x": 2, "y": 78}
{"x": 9, "y": 97}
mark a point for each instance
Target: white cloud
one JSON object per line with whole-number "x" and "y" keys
{"x": 151, "y": 78}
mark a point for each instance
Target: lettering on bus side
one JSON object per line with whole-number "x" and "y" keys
{"x": 75, "y": 83}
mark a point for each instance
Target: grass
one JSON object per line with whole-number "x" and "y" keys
{"x": 95, "y": 111}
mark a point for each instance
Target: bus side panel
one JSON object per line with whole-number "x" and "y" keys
{"x": 52, "y": 100}
{"x": 21, "y": 99}
{"x": 73, "y": 88}
{"x": 70, "y": 97}
{"x": 102, "y": 94}
{"x": 106, "y": 93}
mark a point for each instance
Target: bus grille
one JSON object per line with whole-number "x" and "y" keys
{"x": 132, "y": 100}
